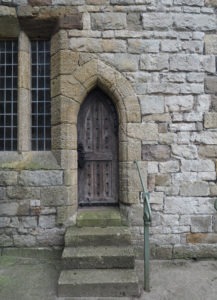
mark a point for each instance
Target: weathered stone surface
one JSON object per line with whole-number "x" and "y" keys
{"x": 143, "y": 46}
{"x": 194, "y": 189}
{"x": 102, "y": 21}
{"x": 64, "y": 137}
{"x": 63, "y": 62}
{"x": 152, "y": 104}
{"x": 185, "y": 62}
{"x": 23, "y": 192}
{"x": 54, "y": 196}
{"x": 157, "y": 20}
{"x": 205, "y": 165}
{"x": 203, "y": 238}
{"x": 8, "y": 178}
{"x": 40, "y": 178}
{"x": 162, "y": 180}
{"x": 206, "y": 151}
{"x": 155, "y": 152}
{"x": 189, "y": 2}
{"x": 154, "y": 62}
{"x": 210, "y": 120}
{"x": 8, "y": 209}
{"x": 211, "y": 84}
{"x": 169, "y": 166}
{"x": 47, "y": 221}
{"x": 6, "y": 241}
{"x": 185, "y": 151}
{"x": 179, "y": 103}
{"x": 194, "y": 251}
{"x": 211, "y": 44}
{"x": 134, "y": 21}
{"x": 24, "y": 240}
{"x": 146, "y": 132}
{"x": 201, "y": 224}
{"x": 194, "y": 22}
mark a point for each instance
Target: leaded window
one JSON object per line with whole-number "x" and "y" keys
{"x": 41, "y": 105}
{"x": 8, "y": 94}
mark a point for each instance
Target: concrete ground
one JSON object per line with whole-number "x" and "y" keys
{"x": 35, "y": 278}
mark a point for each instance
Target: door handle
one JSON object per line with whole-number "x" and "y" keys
{"x": 81, "y": 156}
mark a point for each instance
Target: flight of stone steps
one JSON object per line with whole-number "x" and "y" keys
{"x": 98, "y": 259}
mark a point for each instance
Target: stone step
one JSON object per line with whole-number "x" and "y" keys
{"x": 102, "y": 257}
{"x": 97, "y": 236}
{"x": 98, "y": 283}
{"x": 99, "y": 217}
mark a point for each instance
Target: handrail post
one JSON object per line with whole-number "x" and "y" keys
{"x": 146, "y": 224}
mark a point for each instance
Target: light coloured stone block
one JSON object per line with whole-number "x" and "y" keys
{"x": 179, "y": 103}
{"x": 210, "y": 120}
{"x": 185, "y": 151}
{"x": 194, "y": 189}
{"x": 169, "y": 166}
{"x": 152, "y": 104}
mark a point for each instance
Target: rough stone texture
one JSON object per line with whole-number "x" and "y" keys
{"x": 156, "y": 61}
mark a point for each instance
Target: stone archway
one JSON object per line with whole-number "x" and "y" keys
{"x": 69, "y": 91}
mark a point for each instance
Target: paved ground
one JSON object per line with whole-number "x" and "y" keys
{"x": 23, "y": 278}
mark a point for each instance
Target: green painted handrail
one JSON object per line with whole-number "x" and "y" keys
{"x": 147, "y": 217}
{"x": 146, "y": 197}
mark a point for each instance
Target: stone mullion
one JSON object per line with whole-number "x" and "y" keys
{"x": 24, "y": 94}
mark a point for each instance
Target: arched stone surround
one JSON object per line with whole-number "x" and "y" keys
{"x": 69, "y": 91}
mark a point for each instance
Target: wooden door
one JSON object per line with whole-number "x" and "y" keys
{"x": 97, "y": 151}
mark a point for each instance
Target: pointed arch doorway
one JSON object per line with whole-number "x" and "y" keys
{"x": 97, "y": 151}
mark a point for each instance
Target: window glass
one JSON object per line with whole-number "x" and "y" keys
{"x": 8, "y": 95}
{"x": 41, "y": 133}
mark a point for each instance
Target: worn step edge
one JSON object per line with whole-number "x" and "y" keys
{"x": 97, "y": 236}
{"x": 98, "y": 257}
{"x": 96, "y": 283}
{"x": 99, "y": 217}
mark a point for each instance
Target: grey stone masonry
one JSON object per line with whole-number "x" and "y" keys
{"x": 156, "y": 60}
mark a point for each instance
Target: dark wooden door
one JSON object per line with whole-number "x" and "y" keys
{"x": 97, "y": 151}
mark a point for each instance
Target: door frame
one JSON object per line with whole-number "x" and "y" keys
{"x": 68, "y": 92}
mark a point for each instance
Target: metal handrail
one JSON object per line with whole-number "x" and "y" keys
{"x": 147, "y": 217}
{"x": 146, "y": 197}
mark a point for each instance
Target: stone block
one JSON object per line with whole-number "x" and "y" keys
{"x": 145, "y": 132}
{"x": 2, "y": 193}
{"x": 24, "y": 240}
{"x": 102, "y": 21}
{"x": 211, "y": 84}
{"x": 201, "y": 224}
{"x": 130, "y": 151}
{"x": 211, "y": 44}
{"x": 64, "y": 137}
{"x": 67, "y": 86}
{"x": 185, "y": 62}
{"x": 9, "y": 25}
{"x": 199, "y": 188}
{"x": 152, "y": 104}
{"x": 192, "y": 205}
{"x": 203, "y": 103}
{"x": 29, "y": 222}
{"x": 40, "y": 178}
{"x": 161, "y": 252}
{"x": 113, "y": 46}
{"x": 47, "y": 221}
{"x": 154, "y": 62}
{"x": 185, "y": 151}
{"x": 214, "y": 103}
{"x": 125, "y": 62}
{"x": 51, "y": 237}
{"x": 194, "y": 251}
{"x": 59, "y": 41}
{"x": 157, "y": 20}
{"x": 162, "y": 180}
{"x": 201, "y": 238}
{"x": 206, "y": 151}
{"x": 63, "y": 62}
{"x": 54, "y": 196}
{"x": 8, "y": 209}
{"x": 179, "y": 103}
{"x": 211, "y": 3}
{"x": 189, "y": 2}
{"x": 134, "y": 21}
{"x": 143, "y": 46}
{"x": 22, "y": 192}
{"x": 64, "y": 110}
{"x": 208, "y": 138}
{"x": 195, "y": 22}
{"x": 210, "y": 120}
{"x": 8, "y": 178}
{"x": 171, "y": 46}
{"x": 169, "y": 166}
{"x": 204, "y": 165}
{"x": 156, "y": 152}
{"x": 6, "y": 241}
{"x": 4, "y": 222}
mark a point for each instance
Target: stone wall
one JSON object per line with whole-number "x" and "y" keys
{"x": 165, "y": 52}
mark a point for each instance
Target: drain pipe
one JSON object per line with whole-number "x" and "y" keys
{"x": 146, "y": 222}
